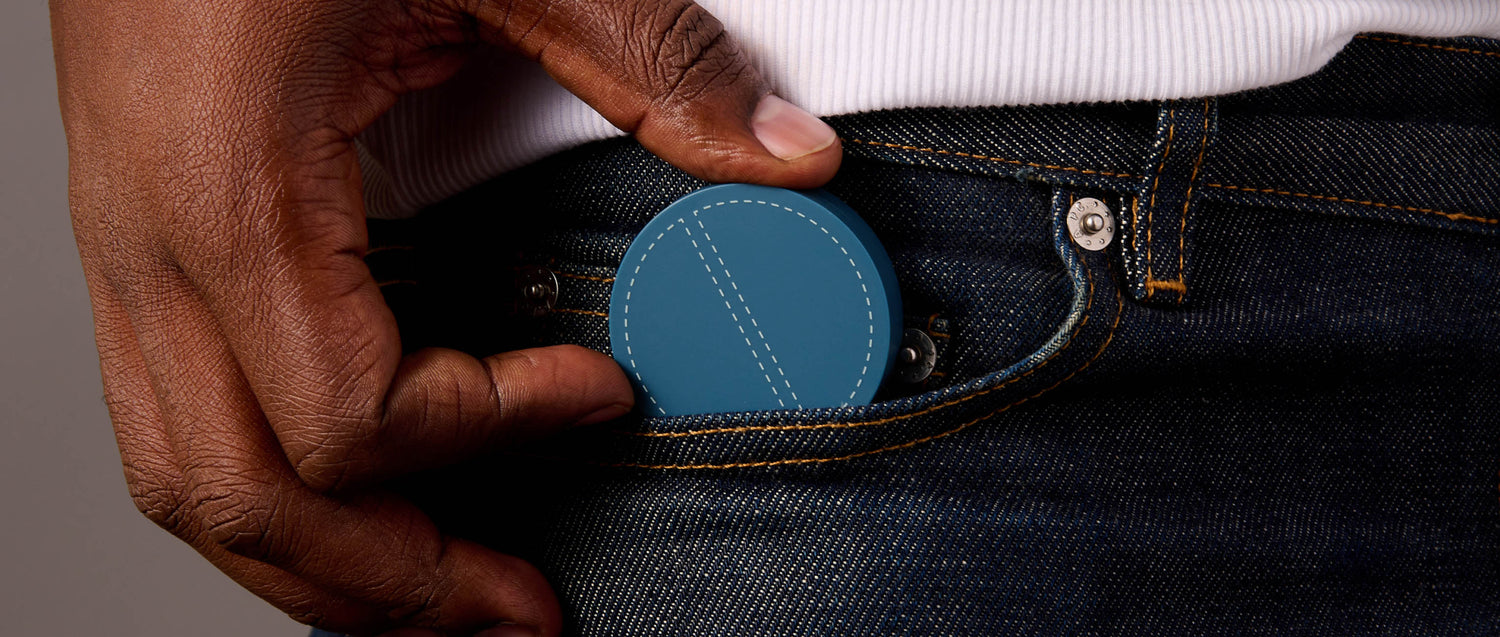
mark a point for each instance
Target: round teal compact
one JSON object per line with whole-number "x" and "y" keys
{"x": 741, "y": 297}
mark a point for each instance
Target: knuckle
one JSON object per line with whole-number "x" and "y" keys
{"x": 298, "y": 599}
{"x": 513, "y": 380}
{"x": 239, "y": 515}
{"x": 160, "y": 504}
{"x": 425, "y": 609}
{"x": 426, "y": 600}
{"x": 693, "y": 54}
{"x": 307, "y": 616}
{"x": 329, "y": 467}
{"x": 326, "y": 449}
{"x": 335, "y": 421}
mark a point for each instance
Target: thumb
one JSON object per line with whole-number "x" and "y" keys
{"x": 666, "y": 71}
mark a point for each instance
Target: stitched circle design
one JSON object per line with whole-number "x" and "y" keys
{"x": 740, "y": 297}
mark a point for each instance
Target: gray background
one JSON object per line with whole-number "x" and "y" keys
{"x": 77, "y": 559}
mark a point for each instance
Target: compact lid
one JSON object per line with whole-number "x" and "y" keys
{"x": 740, "y": 297}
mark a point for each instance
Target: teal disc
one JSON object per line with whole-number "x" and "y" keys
{"x": 740, "y": 297}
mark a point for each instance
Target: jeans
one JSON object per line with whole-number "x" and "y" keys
{"x": 1269, "y": 406}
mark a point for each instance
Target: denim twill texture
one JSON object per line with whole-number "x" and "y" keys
{"x": 1268, "y": 407}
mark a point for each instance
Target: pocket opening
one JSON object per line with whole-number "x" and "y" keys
{"x": 762, "y": 439}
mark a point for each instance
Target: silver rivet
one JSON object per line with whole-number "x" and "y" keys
{"x": 916, "y": 357}
{"x": 1091, "y": 224}
{"x": 538, "y": 287}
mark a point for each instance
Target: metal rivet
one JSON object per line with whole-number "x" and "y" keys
{"x": 916, "y": 358}
{"x": 538, "y": 287}
{"x": 1091, "y": 224}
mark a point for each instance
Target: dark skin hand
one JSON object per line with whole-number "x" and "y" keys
{"x": 252, "y": 371}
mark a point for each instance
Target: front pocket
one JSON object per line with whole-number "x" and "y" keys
{"x": 740, "y": 440}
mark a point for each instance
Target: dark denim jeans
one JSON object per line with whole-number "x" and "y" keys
{"x": 1270, "y": 406}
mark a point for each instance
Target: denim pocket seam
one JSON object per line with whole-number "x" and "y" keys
{"x": 1452, "y": 216}
{"x": 1151, "y": 197}
{"x": 1109, "y": 339}
{"x": 889, "y": 419}
{"x": 1454, "y": 49}
{"x": 583, "y": 277}
{"x": 911, "y": 426}
{"x": 572, "y": 310}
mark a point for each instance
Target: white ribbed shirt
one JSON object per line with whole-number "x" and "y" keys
{"x": 842, "y": 56}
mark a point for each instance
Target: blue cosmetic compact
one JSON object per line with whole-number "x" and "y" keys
{"x": 740, "y": 297}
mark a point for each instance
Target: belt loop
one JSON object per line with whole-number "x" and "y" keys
{"x": 1155, "y": 245}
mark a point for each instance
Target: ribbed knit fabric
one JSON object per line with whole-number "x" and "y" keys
{"x": 842, "y": 56}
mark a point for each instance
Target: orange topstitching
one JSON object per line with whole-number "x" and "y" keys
{"x": 1181, "y": 282}
{"x": 1456, "y": 216}
{"x": 1429, "y": 46}
{"x": 584, "y": 277}
{"x": 1179, "y": 286}
{"x": 930, "y": 331}
{"x": 570, "y": 310}
{"x": 1151, "y": 202}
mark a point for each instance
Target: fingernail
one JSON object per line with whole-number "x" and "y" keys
{"x": 787, "y": 131}
{"x": 608, "y": 413}
{"x": 507, "y": 630}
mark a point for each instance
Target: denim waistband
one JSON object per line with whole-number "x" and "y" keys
{"x": 1394, "y": 129}
{"x": 1341, "y": 141}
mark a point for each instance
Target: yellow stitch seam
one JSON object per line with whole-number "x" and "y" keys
{"x": 1119, "y": 312}
{"x": 865, "y": 423}
{"x": 1456, "y": 216}
{"x": 1178, "y": 286}
{"x": 1151, "y": 204}
{"x": 583, "y": 312}
{"x": 930, "y": 318}
{"x": 930, "y": 331}
{"x": 1014, "y": 162}
{"x": 1429, "y": 46}
{"x": 1186, "y": 202}
{"x": 584, "y": 277}
{"x": 1088, "y": 306}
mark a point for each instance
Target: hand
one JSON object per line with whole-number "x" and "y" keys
{"x": 252, "y": 371}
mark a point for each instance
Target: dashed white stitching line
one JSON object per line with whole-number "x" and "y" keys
{"x": 630, "y": 354}
{"x": 870, "y": 344}
{"x": 708, "y": 239}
